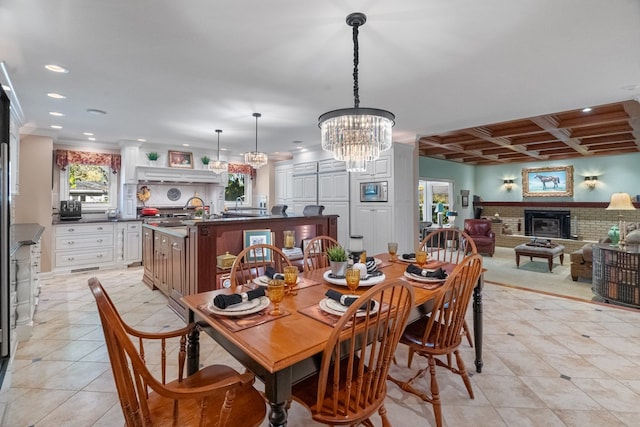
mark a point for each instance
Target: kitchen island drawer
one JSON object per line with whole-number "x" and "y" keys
{"x": 77, "y": 229}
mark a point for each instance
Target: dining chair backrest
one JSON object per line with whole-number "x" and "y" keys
{"x": 448, "y": 245}
{"x": 253, "y": 261}
{"x": 351, "y": 383}
{"x": 147, "y": 399}
{"x": 445, "y": 325}
{"x": 315, "y": 254}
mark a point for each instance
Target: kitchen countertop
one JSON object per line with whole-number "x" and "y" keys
{"x": 24, "y": 235}
{"x": 56, "y": 221}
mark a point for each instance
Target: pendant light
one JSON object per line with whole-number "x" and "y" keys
{"x": 356, "y": 135}
{"x": 218, "y": 166}
{"x": 256, "y": 159}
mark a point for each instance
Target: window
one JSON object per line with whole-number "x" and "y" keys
{"x": 238, "y": 189}
{"x": 89, "y": 177}
{"x": 430, "y": 194}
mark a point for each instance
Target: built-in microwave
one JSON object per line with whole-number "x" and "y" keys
{"x": 374, "y": 191}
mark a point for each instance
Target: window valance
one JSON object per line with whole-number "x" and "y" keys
{"x": 242, "y": 168}
{"x": 64, "y": 157}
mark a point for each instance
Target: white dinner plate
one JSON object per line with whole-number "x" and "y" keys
{"x": 423, "y": 279}
{"x": 247, "y": 307}
{"x": 409, "y": 261}
{"x": 334, "y": 307}
{"x": 378, "y": 261}
{"x": 369, "y": 281}
{"x": 264, "y": 280}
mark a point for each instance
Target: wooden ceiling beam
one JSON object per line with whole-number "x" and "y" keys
{"x": 607, "y": 139}
{"x": 550, "y": 124}
{"x": 557, "y": 151}
{"x": 593, "y": 120}
{"x": 541, "y": 137}
{"x": 592, "y": 131}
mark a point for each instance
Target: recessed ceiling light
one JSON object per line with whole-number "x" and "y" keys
{"x": 56, "y": 127}
{"x": 88, "y": 134}
{"x": 586, "y": 109}
{"x": 303, "y": 150}
{"x": 91, "y": 139}
{"x": 55, "y": 113}
{"x": 142, "y": 140}
{"x": 56, "y": 68}
{"x": 56, "y": 95}
{"x": 299, "y": 148}
{"x": 6, "y": 88}
{"x": 96, "y": 111}
{"x": 185, "y": 145}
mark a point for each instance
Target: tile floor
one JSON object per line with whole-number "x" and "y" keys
{"x": 547, "y": 360}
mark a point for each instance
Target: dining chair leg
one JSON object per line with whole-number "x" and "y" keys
{"x": 410, "y": 357}
{"x": 383, "y": 416}
{"x": 463, "y": 372}
{"x": 465, "y": 328}
{"x": 435, "y": 392}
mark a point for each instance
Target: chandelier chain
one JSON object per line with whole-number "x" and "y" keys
{"x": 356, "y": 60}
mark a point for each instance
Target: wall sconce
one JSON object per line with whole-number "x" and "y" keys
{"x": 591, "y": 181}
{"x": 508, "y": 184}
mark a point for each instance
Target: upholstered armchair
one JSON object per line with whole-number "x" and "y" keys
{"x": 482, "y": 234}
{"x": 582, "y": 263}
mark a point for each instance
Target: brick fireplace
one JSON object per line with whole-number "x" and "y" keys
{"x": 553, "y": 224}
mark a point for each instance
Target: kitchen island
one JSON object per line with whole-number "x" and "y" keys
{"x": 182, "y": 260}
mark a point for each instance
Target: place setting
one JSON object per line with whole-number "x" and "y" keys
{"x": 332, "y": 307}
{"x": 369, "y": 274}
{"x": 291, "y": 276}
{"x": 246, "y": 309}
{"x": 430, "y": 278}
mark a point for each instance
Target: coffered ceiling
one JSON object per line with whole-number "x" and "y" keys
{"x": 603, "y": 130}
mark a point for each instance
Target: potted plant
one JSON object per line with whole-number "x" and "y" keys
{"x": 205, "y": 160}
{"x": 337, "y": 260}
{"x": 152, "y": 156}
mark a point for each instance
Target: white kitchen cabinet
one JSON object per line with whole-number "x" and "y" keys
{"x": 283, "y": 184}
{"x": 377, "y": 169}
{"x": 130, "y": 242}
{"x": 305, "y": 188}
{"x": 333, "y": 186}
{"x": 373, "y": 223}
{"x": 82, "y": 246}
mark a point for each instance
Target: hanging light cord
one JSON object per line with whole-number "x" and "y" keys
{"x": 218, "y": 131}
{"x": 356, "y": 95}
{"x": 256, "y": 115}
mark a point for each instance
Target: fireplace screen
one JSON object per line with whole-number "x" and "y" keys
{"x": 547, "y": 223}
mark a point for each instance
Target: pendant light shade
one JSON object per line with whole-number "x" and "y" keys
{"x": 356, "y": 135}
{"x": 256, "y": 159}
{"x": 218, "y": 166}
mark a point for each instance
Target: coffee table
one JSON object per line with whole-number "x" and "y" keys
{"x": 546, "y": 252}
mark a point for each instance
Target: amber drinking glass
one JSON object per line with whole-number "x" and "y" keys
{"x": 352, "y": 276}
{"x": 393, "y": 250}
{"x": 275, "y": 291}
{"x": 291, "y": 278}
{"x": 421, "y": 258}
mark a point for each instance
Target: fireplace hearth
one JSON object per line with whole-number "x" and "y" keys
{"x": 547, "y": 224}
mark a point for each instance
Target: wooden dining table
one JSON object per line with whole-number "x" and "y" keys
{"x": 282, "y": 350}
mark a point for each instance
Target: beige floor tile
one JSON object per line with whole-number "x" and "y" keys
{"x": 611, "y": 394}
{"x": 572, "y": 418}
{"x": 84, "y": 408}
{"x": 507, "y": 392}
{"x": 526, "y": 417}
{"x": 558, "y": 393}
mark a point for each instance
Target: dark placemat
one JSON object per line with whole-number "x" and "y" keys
{"x": 238, "y": 323}
{"x": 315, "y": 312}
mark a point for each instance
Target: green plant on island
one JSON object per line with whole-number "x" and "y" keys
{"x": 337, "y": 253}
{"x": 152, "y": 155}
{"x": 205, "y": 160}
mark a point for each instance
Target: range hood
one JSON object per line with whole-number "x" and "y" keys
{"x": 159, "y": 174}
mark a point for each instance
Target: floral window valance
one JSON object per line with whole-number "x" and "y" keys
{"x": 242, "y": 168}
{"x": 64, "y": 157}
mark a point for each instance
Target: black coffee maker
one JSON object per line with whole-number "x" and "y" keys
{"x": 70, "y": 210}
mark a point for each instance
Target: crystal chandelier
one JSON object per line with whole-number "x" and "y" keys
{"x": 356, "y": 135}
{"x": 256, "y": 159}
{"x": 218, "y": 166}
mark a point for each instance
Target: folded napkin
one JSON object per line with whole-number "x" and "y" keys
{"x": 271, "y": 273}
{"x": 345, "y": 300}
{"x": 409, "y": 256}
{"x": 224, "y": 301}
{"x": 437, "y": 274}
{"x": 371, "y": 265}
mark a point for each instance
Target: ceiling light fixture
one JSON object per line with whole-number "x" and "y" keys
{"x": 218, "y": 166}
{"x": 56, "y": 68}
{"x": 56, "y": 95}
{"x": 356, "y": 135}
{"x": 55, "y": 113}
{"x": 256, "y": 159}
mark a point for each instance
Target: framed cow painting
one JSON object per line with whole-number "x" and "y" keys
{"x": 553, "y": 181}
